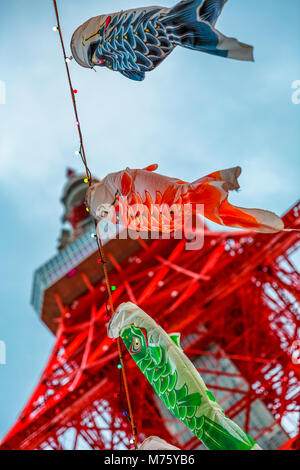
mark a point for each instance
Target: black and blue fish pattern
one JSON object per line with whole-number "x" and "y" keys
{"x": 136, "y": 41}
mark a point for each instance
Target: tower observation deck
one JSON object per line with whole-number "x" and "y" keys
{"x": 235, "y": 302}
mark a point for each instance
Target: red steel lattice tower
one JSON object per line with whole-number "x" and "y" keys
{"x": 235, "y": 302}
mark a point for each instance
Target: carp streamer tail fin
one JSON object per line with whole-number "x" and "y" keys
{"x": 190, "y": 24}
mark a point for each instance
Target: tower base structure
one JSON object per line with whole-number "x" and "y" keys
{"x": 236, "y": 304}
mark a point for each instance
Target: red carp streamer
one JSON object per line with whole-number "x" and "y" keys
{"x": 150, "y": 201}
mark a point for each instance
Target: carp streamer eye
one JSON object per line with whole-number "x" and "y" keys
{"x": 136, "y": 345}
{"x": 98, "y": 61}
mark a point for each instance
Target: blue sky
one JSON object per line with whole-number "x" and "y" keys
{"x": 194, "y": 114}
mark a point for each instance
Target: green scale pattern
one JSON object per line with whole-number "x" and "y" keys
{"x": 155, "y": 365}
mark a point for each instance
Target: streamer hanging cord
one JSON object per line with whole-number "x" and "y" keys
{"x": 99, "y": 241}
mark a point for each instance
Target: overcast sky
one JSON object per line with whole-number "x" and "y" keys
{"x": 195, "y": 114}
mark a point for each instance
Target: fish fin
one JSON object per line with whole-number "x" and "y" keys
{"x": 193, "y": 399}
{"x": 155, "y": 353}
{"x": 151, "y": 167}
{"x": 214, "y": 190}
{"x": 126, "y": 183}
{"x": 254, "y": 219}
{"x": 190, "y": 23}
{"x": 210, "y": 10}
{"x": 169, "y": 195}
{"x": 175, "y": 337}
{"x": 229, "y": 178}
{"x": 210, "y": 395}
{"x": 133, "y": 75}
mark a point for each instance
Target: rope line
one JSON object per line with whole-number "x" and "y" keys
{"x": 98, "y": 238}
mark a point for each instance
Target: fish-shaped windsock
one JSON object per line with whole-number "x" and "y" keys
{"x": 176, "y": 380}
{"x": 136, "y": 41}
{"x": 147, "y": 201}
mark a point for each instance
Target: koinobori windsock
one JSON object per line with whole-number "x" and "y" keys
{"x": 136, "y": 41}
{"x": 176, "y": 380}
{"x": 149, "y": 202}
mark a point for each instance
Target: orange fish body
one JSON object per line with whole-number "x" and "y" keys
{"x": 147, "y": 201}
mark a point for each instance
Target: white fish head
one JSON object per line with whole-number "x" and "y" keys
{"x": 86, "y": 39}
{"x": 99, "y": 200}
{"x": 124, "y": 316}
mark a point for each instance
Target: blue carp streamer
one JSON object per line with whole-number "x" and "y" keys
{"x": 136, "y": 41}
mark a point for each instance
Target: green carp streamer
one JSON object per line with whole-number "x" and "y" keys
{"x": 176, "y": 380}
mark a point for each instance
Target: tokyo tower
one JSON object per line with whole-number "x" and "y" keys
{"x": 235, "y": 302}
